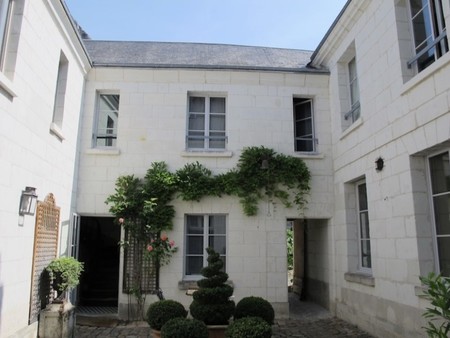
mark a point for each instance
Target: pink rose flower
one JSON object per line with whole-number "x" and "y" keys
{"x": 172, "y": 243}
{"x": 121, "y": 220}
{"x": 149, "y": 248}
{"x": 164, "y": 237}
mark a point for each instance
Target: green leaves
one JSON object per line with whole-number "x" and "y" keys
{"x": 438, "y": 293}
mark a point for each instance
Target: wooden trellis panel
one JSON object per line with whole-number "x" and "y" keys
{"x": 45, "y": 250}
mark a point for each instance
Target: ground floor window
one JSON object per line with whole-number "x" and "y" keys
{"x": 439, "y": 166}
{"x": 365, "y": 256}
{"x": 201, "y": 232}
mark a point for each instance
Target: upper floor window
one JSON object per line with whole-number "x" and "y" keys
{"x": 429, "y": 33}
{"x": 5, "y": 13}
{"x": 203, "y": 231}
{"x": 60, "y": 95}
{"x": 105, "y": 131}
{"x": 365, "y": 255}
{"x": 206, "y": 123}
{"x": 303, "y": 125}
{"x": 355, "y": 110}
{"x": 440, "y": 190}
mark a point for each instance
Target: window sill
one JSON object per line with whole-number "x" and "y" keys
{"x": 360, "y": 278}
{"x": 311, "y": 155}
{"x": 103, "y": 151}
{"x": 56, "y": 130}
{"x": 429, "y": 71}
{"x": 206, "y": 153}
{"x": 7, "y": 85}
{"x": 355, "y": 125}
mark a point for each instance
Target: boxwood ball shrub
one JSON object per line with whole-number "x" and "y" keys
{"x": 249, "y": 327}
{"x": 184, "y": 328}
{"x": 255, "y": 307}
{"x": 162, "y": 311}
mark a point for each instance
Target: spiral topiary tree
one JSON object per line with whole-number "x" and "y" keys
{"x": 212, "y": 304}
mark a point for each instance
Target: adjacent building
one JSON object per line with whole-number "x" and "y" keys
{"x": 368, "y": 112}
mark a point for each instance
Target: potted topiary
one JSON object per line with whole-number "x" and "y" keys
{"x": 161, "y": 312}
{"x": 249, "y": 327}
{"x": 255, "y": 307}
{"x": 212, "y": 304}
{"x": 58, "y": 318}
{"x": 184, "y": 328}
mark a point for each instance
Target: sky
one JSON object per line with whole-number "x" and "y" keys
{"x": 296, "y": 24}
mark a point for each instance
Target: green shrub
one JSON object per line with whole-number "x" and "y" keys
{"x": 162, "y": 311}
{"x": 65, "y": 273}
{"x": 438, "y": 293}
{"x": 211, "y": 303}
{"x": 255, "y": 307}
{"x": 184, "y": 328}
{"x": 249, "y": 327}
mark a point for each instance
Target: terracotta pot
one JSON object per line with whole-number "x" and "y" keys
{"x": 217, "y": 331}
{"x": 156, "y": 333}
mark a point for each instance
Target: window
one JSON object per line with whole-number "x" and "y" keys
{"x": 303, "y": 125}
{"x": 203, "y": 231}
{"x": 365, "y": 260}
{"x": 429, "y": 33}
{"x": 105, "y": 134}
{"x": 355, "y": 109}
{"x": 206, "y": 123}
{"x": 60, "y": 95}
{"x": 440, "y": 189}
{"x": 5, "y": 13}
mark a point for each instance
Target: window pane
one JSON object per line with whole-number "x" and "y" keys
{"x": 218, "y": 243}
{"x": 364, "y": 224}
{"x": 302, "y": 110}
{"x": 196, "y": 104}
{"x": 362, "y": 197}
{"x": 217, "y": 122}
{"x": 194, "y": 265}
{"x": 442, "y": 214}
{"x": 417, "y": 5}
{"x": 194, "y": 224}
{"x": 196, "y": 122}
{"x": 217, "y": 224}
{"x": 440, "y": 173}
{"x": 217, "y": 140}
{"x": 366, "y": 261}
{"x": 303, "y": 128}
{"x": 444, "y": 255}
{"x": 194, "y": 245}
{"x": 304, "y": 145}
{"x": 217, "y": 105}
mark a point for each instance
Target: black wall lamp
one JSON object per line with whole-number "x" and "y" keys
{"x": 28, "y": 201}
{"x": 379, "y": 164}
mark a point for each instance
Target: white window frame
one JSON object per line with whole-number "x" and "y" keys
{"x": 207, "y": 131}
{"x": 437, "y": 39}
{"x": 433, "y": 217}
{"x": 60, "y": 92}
{"x": 353, "y": 87}
{"x": 5, "y": 18}
{"x": 312, "y": 138}
{"x": 96, "y": 135}
{"x": 206, "y": 237}
{"x": 359, "y": 212}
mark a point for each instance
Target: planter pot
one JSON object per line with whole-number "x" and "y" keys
{"x": 217, "y": 331}
{"x": 57, "y": 320}
{"x": 156, "y": 333}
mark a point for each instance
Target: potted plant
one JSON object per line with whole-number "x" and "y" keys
{"x": 160, "y": 312}
{"x": 212, "y": 304}
{"x": 64, "y": 275}
{"x": 249, "y": 327}
{"x": 255, "y": 307}
{"x": 184, "y": 328}
{"x": 57, "y": 320}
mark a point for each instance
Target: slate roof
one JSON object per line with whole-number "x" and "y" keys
{"x": 196, "y": 55}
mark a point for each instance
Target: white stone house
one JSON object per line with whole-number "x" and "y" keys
{"x": 389, "y": 103}
{"x": 75, "y": 115}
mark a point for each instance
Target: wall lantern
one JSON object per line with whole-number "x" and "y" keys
{"x": 28, "y": 201}
{"x": 379, "y": 164}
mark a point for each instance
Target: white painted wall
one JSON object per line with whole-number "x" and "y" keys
{"x": 152, "y": 127}
{"x": 29, "y": 154}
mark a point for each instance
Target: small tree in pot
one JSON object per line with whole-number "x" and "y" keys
{"x": 212, "y": 304}
{"x": 64, "y": 275}
{"x": 160, "y": 312}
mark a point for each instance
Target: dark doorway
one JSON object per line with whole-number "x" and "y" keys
{"x": 99, "y": 250}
